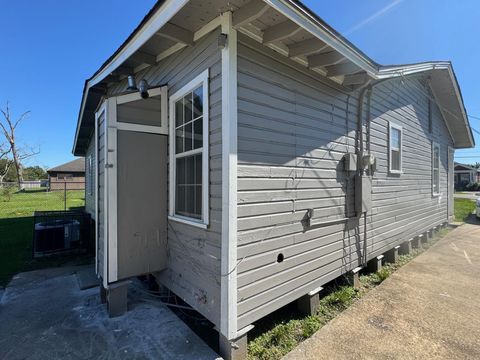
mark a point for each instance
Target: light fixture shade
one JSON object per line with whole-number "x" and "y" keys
{"x": 143, "y": 88}
{"x": 132, "y": 83}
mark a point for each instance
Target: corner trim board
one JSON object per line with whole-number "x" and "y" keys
{"x": 111, "y": 189}
{"x": 228, "y": 296}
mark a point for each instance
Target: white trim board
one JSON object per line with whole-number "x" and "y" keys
{"x": 97, "y": 114}
{"x": 111, "y": 189}
{"x": 228, "y": 293}
{"x": 391, "y": 126}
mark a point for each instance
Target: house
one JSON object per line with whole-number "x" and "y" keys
{"x": 465, "y": 174}
{"x": 68, "y": 176}
{"x": 245, "y": 154}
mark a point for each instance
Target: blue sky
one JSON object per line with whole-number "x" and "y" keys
{"x": 49, "y": 48}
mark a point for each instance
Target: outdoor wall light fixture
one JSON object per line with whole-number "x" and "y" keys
{"x": 222, "y": 41}
{"x": 143, "y": 89}
{"x": 132, "y": 83}
{"x": 142, "y": 86}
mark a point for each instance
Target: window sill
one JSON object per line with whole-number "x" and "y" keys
{"x": 395, "y": 172}
{"x": 436, "y": 195}
{"x": 187, "y": 221}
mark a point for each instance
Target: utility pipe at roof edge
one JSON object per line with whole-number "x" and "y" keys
{"x": 366, "y": 89}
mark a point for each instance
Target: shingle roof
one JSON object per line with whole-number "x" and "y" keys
{"x": 77, "y": 165}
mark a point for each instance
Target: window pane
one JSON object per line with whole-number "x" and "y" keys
{"x": 395, "y": 159}
{"x": 188, "y": 107}
{"x": 179, "y": 113}
{"x": 198, "y": 133}
{"x": 395, "y": 138}
{"x": 436, "y": 164}
{"x": 190, "y": 201}
{"x": 180, "y": 187}
{"x": 179, "y": 140}
{"x": 198, "y": 169}
{"x": 190, "y": 170}
{"x": 198, "y": 200}
{"x": 188, "y": 189}
{"x": 198, "y": 102}
{"x": 188, "y": 137}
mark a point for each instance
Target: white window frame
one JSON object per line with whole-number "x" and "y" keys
{"x": 200, "y": 80}
{"x": 435, "y": 145}
{"x": 399, "y": 128}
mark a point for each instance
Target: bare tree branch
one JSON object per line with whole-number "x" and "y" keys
{"x": 8, "y": 127}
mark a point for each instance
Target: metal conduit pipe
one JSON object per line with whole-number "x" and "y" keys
{"x": 366, "y": 90}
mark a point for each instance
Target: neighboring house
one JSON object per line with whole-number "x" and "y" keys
{"x": 287, "y": 157}
{"x": 465, "y": 174}
{"x": 69, "y": 176}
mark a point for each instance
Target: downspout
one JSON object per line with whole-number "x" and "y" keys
{"x": 366, "y": 87}
{"x": 361, "y": 100}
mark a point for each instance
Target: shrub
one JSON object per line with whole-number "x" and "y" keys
{"x": 474, "y": 186}
{"x": 7, "y": 192}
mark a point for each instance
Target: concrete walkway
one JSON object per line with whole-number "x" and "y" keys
{"x": 472, "y": 195}
{"x": 428, "y": 309}
{"x": 45, "y": 315}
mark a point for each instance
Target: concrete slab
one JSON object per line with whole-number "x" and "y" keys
{"x": 428, "y": 309}
{"x": 44, "y": 315}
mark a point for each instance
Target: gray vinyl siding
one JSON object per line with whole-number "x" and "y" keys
{"x": 403, "y": 205}
{"x": 193, "y": 261}
{"x": 90, "y": 195}
{"x": 292, "y": 134}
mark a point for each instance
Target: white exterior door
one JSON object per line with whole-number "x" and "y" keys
{"x": 132, "y": 185}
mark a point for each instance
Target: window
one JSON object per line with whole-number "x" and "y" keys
{"x": 395, "y": 149}
{"x": 189, "y": 152}
{"x": 435, "y": 169}
{"x": 64, "y": 177}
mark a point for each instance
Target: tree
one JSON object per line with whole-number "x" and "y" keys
{"x": 8, "y": 127}
{"x": 34, "y": 173}
{"x": 5, "y": 162}
{"x": 7, "y": 171}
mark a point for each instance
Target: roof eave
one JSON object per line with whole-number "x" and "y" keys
{"x": 161, "y": 12}
{"x": 296, "y": 12}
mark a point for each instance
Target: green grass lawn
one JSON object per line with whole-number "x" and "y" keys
{"x": 26, "y": 202}
{"x": 463, "y": 208}
{"x": 16, "y": 227}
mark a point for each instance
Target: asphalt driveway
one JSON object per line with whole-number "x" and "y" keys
{"x": 428, "y": 309}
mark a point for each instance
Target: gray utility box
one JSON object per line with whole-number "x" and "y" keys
{"x": 363, "y": 194}
{"x": 350, "y": 162}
